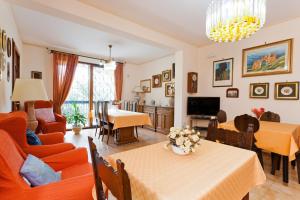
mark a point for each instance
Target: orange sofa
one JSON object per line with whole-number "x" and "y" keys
{"x": 14, "y": 123}
{"x": 77, "y": 174}
{"x": 48, "y": 127}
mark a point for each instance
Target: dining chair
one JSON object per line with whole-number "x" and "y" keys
{"x": 133, "y": 108}
{"x": 116, "y": 181}
{"x": 222, "y": 116}
{"x": 212, "y": 129}
{"x": 106, "y": 126}
{"x": 96, "y": 114}
{"x": 270, "y": 116}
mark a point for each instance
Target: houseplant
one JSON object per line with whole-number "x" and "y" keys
{"x": 76, "y": 119}
{"x": 183, "y": 141}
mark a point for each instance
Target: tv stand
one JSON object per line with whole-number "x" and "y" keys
{"x": 200, "y": 122}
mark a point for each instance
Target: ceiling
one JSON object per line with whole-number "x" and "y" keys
{"x": 184, "y": 19}
{"x": 53, "y": 32}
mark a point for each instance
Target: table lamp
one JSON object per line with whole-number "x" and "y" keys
{"x": 139, "y": 98}
{"x": 29, "y": 90}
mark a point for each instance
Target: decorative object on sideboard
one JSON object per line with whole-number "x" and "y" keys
{"x": 36, "y": 75}
{"x": 166, "y": 76}
{"x": 4, "y": 38}
{"x": 8, "y": 47}
{"x": 173, "y": 70}
{"x": 8, "y": 72}
{"x": 223, "y": 73}
{"x": 232, "y": 93}
{"x": 287, "y": 91}
{"x": 139, "y": 95}
{"x": 258, "y": 112}
{"x": 146, "y": 85}
{"x": 268, "y": 59}
{"x": 156, "y": 81}
{"x": 169, "y": 89}
{"x": 192, "y": 84}
{"x": 259, "y": 90}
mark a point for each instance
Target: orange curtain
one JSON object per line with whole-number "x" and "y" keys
{"x": 64, "y": 66}
{"x": 119, "y": 80}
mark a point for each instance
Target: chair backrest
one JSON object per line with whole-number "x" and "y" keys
{"x": 242, "y": 122}
{"x": 212, "y": 129}
{"x": 133, "y": 106}
{"x": 126, "y": 105}
{"x": 39, "y": 104}
{"x": 104, "y": 111}
{"x": 270, "y": 116}
{"x": 96, "y": 109}
{"x": 117, "y": 181}
{"x": 222, "y": 116}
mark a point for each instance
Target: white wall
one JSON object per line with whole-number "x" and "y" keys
{"x": 288, "y": 110}
{"x": 7, "y": 23}
{"x": 38, "y": 59}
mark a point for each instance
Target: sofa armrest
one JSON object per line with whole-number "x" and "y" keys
{"x": 76, "y": 188}
{"x": 67, "y": 159}
{"x": 41, "y": 122}
{"x": 51, "y": 138}
{"x": 47, "y": 150}
{"x": 60, "y": 118}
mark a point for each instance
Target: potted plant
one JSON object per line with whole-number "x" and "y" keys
{"x": 76, "y": 119}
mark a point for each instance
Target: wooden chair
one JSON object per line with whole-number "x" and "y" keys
{"x": 105, "y": 125}
{"x": 126, "y": 105}
{"x": 222, "y": 116}
{"x": 270, "y": 116}
{"x": 212, "y": 129}
{"x": 117, "y": 182}
{"x": 133, "y": 108}
{"x": 96, "y": 113}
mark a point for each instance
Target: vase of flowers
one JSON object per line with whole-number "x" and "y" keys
{"x": 183, "y": 141}
{"x": 258, "y": 112}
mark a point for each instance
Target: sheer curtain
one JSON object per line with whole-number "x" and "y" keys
{"x": 104, "y": 84}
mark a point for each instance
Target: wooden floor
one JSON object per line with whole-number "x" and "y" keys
{"x": 273, "y": 189}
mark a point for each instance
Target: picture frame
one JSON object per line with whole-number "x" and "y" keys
{"x": 268, "y": 59}
{"x": 36, "y": 75}
{"x": 156, "y": 81}
{"x": 287, "y": 90}
{"x": 146, "y": 85}
{"x": 169, "y": 89}
{"x": 8, "y": 48}
{"x": 223, "y": 73}
{"x": 166, "y": 76}
{"x": 4, "y": 38}
{"x": 173, "y": 71}
{"x": 259, "y": 90}
{"x": 232, "y": 93}
{"x": 192, "y": 82}
{"x": 8, "y": 72}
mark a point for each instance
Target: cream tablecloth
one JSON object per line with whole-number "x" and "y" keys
{"x": 214, "y": 172}
{"x": 280, "y": 138}
{"x": 123, "y": 118}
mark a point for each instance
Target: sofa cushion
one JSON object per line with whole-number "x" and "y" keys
{"x": 37, "y": 172}
{"x": 32, "y": 138}
{"x": 45, "y": 114}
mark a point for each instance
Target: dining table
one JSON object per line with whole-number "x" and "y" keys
{"x": 124, "y": 122}
{"x": 276, "y": 137}
{"x": 215, "y": 171}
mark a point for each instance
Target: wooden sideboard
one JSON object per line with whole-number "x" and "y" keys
{"x": 162, "y": 118}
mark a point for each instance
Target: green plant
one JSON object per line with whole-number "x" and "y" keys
{"x": 76, "y": 118}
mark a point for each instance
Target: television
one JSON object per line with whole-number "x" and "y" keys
{"x": 206, "y": 106}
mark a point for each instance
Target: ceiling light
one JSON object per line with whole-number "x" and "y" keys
{"x": 110, "y": 64}
{"x": 232, "y": 20}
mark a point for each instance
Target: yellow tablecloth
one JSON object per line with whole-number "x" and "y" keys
{"x": 281, "y": 138}
{"x": 214, "y": 172}
{"x": 123, "y": 118}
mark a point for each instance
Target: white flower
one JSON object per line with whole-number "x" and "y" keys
{"x": 193, "y": 150}
{"x": 179, "y": 140}
{"x": 172, "y": 129}
{"x": 172, "y": 135}
{"x": 195, "y": 138}
{"x": 187, "y": 143}
{"x": 198, "y": 133}
{"x": 187, "y": 127}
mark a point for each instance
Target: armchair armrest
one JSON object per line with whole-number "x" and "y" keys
{"x": 51, "y": 138}
{"x": 60, "y": 118}
{"x": 41, "y": 121}
{"x": 47, "y": 150}
{"x": 67, "y": 159}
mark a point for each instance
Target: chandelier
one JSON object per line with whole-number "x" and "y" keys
{"x": 232, "y": 20}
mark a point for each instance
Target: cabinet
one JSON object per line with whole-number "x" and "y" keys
{"x": 150, "y": 110}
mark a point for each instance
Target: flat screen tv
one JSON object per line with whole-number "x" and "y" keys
{"x": 203, "y": 105}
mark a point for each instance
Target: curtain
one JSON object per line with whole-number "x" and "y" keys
{"x": 119, "y": 80}
{"x": 64, "y": 66}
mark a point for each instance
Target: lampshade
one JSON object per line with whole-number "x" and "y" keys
{"x": 29, "y": 90}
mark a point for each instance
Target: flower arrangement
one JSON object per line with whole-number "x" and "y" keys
{"x": 186, "y": 139}
{"x": 258, "y": 112}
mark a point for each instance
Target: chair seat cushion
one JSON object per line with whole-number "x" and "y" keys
{"x": 77, "y": 170}
{"x": 46, "y": 114}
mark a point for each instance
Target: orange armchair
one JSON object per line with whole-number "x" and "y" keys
{"x": 14, "y": 123}
{"x": 48, "y": 127}
{"x": 77, "y": 174}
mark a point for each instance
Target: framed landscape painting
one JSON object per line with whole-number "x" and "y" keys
{"x": 268, "y": 59}
{"x": 146, "y": 85}
{"x": 223, "y": 73}
{"x": 259, "y": 90}
{"x": 287, "y": 91}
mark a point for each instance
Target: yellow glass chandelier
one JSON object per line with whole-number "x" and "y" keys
{"x": 232, "y": 20}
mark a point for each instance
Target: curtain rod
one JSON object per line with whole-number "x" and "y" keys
{"x": 56, "y": 51}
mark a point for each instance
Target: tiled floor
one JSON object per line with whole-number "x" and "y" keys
{"x": 273, "y": 189}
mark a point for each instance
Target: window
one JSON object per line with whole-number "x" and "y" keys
{"x": 104, "y": 84}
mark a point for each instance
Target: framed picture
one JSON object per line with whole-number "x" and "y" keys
{"x": 146, "y": 85}
{"x": 259, "y": 90}
{"x": 36, "y": 75}
{"x": 232, "y": 93}
{"x": 268, "y": 59}
{"x": 192, "y": 85}
{"x": 287, "y": 91}
{"x": 8, "y": 47}
{"x": 156, "y": 81}
{"x": 169, "y": 90}
{"x": 166, "y": 75}
{"x": 223, "y": 73}
{"x": 8, "y": 72}
{"x": 173, "y": 71}
{"x": 4, "y": 37}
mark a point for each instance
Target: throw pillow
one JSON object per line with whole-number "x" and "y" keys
{"x": 37, "y": 172}
{"x": 45, "y": 114}
{"x": 32, "y": 138}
